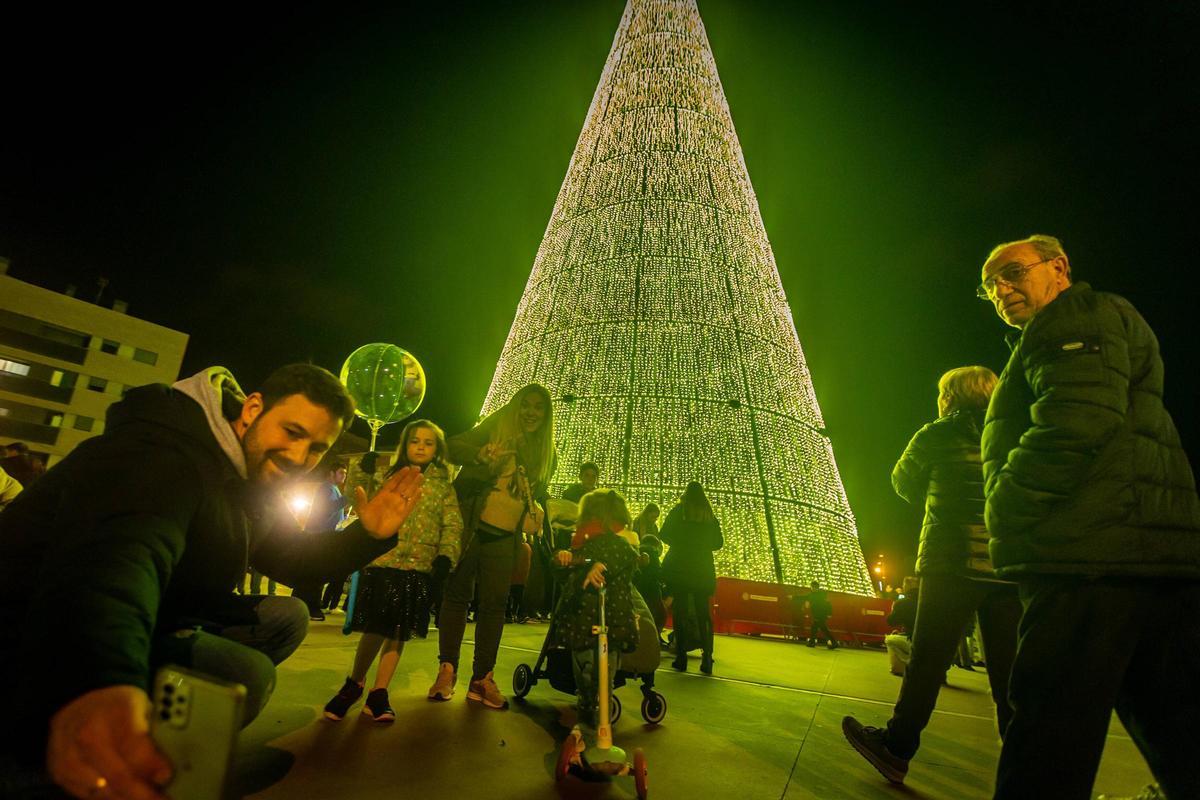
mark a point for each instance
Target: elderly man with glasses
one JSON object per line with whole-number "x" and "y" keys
{"x": 1092, "y": 509}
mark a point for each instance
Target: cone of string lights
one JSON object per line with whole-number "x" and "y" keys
{"x": 655, "y": 315}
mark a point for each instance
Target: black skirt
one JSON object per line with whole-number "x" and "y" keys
{"x": 393, "y": 603}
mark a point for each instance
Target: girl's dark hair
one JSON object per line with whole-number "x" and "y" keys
{"x": 645, "y": 515}
{"x": 695, "y": 504}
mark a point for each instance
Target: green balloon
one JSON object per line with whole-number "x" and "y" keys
{"x": 387, "y": 383}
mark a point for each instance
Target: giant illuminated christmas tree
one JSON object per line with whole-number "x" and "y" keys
{"x": 655, "y": 316}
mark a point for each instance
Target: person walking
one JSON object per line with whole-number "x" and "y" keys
{"x": 941, "y": 469}
{"x": 693, "y": 533}
{"x": 507, "y": 460}
{"x": 1092, "y": 509}
{"x": 819, "y": 609}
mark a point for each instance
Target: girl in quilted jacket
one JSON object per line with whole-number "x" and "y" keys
{"x": 392, "y": 604}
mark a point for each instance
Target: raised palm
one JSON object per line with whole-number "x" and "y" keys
{"x": 384, "y": 513}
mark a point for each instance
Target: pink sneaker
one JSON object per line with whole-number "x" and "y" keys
{"x": 443, "y": 687}
{"x": 487, "y": 692}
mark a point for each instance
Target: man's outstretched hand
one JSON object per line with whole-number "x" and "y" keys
{"x": 100, "y": 747}
{"x": 384, "y": 513}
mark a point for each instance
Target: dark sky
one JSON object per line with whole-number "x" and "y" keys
{"x": 289, "y": 184}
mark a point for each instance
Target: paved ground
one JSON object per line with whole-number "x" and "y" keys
{"x": 767, "y": 725}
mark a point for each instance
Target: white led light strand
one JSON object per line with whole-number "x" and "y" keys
{"x": 655, "y": 316}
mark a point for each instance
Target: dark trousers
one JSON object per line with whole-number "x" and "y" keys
{"x": 687, "y": 610}
{"x": 310, "y": 593}
{"x": 333, "y": 592}
{"x": 944, "y": 609}
{"x": 820, "y": 625}
{"x": 260, "y": 632}
{"x": 486, "y": 566}
{"x": 1088, "y": 646}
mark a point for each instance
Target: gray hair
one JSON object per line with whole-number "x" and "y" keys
{"x": 1047, "y": 248}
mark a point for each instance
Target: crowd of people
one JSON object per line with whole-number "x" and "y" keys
{"x": 1060, "y": 511}
{"x": 152, "y": 527}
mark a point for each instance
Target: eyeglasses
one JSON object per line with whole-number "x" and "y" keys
{"x": 1009, "y": 276}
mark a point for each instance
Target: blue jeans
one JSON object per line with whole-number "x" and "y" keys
{"x": 245, "y": 650}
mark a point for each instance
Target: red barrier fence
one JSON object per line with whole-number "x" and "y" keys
{"x": 751, "y": 607}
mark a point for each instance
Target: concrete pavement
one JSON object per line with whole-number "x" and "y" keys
{"x": 766, "y": 726}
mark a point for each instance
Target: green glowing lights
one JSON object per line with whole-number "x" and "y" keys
{"x": 655, "y": 315}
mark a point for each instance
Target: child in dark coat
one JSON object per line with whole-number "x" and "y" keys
{"x": 602, "y": 539}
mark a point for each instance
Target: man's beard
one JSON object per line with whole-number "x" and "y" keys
{"x": 257, "y": 458}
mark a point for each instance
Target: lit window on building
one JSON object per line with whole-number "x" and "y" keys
{"x": 13, "y": 367}
{"x": 145, "y": 356}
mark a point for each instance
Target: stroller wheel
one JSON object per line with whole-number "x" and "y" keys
{"x": 654, "y": 708}
{"x": 522, "y": 680}
{"x": 639, "y": 774}
{"x": 614, "y": 709}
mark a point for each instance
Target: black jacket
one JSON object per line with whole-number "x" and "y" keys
{"x": 1084, "y": 472}
{"x": 140, "y": 531}
{"x": 941, "y": 468}
{"x": 688, "y": 566}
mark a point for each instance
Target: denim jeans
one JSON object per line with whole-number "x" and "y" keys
{"x": 245, "y": 650}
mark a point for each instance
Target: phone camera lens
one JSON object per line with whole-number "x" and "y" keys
{"x": 168, "y": 689}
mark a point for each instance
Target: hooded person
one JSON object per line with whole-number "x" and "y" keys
{"x": 125, "y": 555}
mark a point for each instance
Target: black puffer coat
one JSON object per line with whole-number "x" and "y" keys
{"x": 941, "y": 468}
{"x": 1084, "y": 472}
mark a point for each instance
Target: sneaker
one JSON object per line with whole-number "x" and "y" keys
{"x": 443, "y": 687}
{"x": 871, "y": 743}
{"x": 487, "y": 692}
{"x": 680, "y": 664}
{"x": 812, "y": 642}
{"x": 347, "y": 696}
{"x": 377, "y": 706}
{"x": 317, "y": 617}
{"x": 706, "y": 666}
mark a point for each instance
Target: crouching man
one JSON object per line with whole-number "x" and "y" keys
{"x": 124, "y": 557}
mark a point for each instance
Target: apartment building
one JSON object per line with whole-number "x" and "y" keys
{"x": 64, "y": 361}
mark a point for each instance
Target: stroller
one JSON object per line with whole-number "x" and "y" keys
{"x": 554, "y": 665}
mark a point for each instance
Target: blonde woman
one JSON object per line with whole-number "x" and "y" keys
{"x": 941, "y": 468}
{"x": 507, "y": 460}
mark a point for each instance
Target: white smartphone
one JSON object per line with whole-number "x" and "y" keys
{"x": 195, "y": 724}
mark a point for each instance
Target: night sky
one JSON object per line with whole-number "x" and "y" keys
{"x": 289, "y": 184}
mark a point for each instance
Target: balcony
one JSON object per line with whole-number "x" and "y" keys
{"x": 32, "y": 387}
{"x": 32, "y": 343}
{"x": 28, "y": 431}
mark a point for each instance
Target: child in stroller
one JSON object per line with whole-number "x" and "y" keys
{"x": 602, "y": 553}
